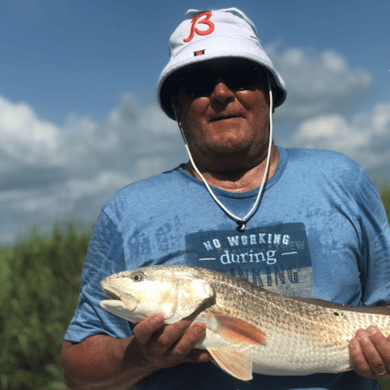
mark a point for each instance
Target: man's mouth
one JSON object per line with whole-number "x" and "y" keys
{"x": 225, "y": 117}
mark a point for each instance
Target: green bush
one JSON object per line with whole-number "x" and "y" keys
{"x": 385, "y": 385}
{"x": 385, "y": 195}
{"x": 40, "y": 280}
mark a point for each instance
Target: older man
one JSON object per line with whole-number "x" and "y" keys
{"x": 300, "y": 222}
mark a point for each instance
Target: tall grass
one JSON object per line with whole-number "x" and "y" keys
{"x": 39, "y": 283}
{"x": 385, "y": 196}
{"x": 40, "y": 279}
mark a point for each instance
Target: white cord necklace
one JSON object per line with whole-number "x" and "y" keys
{"x": 241, "y": 222}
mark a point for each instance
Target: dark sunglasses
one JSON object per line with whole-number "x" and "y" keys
{"x": 201, "y": 82}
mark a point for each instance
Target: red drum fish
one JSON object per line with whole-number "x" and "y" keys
{"x": 249, "y": 329}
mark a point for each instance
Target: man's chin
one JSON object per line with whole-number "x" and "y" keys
{"x": 234, "y": 149}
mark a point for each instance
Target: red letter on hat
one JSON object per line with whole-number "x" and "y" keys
{"x": 205, "y": 21}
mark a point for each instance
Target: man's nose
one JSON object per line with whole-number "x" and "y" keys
{"x": 221, "y": 91}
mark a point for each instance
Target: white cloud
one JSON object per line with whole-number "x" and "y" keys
{"x": 329, "y": 131}
{"x": 49, "y": 170}
{"x": 317, "y": 83}
{"x": 104, "y": 182}
{"x": 24, "y": 137}
{"x": 366, "y": 138}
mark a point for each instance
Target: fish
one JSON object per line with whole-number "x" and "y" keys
{"x": 248, "y": 329}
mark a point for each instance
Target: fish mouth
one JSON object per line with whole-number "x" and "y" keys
{"x": 118, "y": 299}
{"x": 113, "y": 295}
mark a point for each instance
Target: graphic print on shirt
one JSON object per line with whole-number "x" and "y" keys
{"x": 275, "y": 257}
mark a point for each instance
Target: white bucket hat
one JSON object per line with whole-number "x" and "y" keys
{"x": 208, "y": 35}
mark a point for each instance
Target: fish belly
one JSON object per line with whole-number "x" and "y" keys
{"x": 285, "y": 354}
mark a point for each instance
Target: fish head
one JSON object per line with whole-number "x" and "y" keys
{"x": 138, "y": 293}
{"x": 121, "y": 303}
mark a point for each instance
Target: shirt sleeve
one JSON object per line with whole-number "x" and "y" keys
{"x": 376, "y": 246}
{"x": 104, "y": 258}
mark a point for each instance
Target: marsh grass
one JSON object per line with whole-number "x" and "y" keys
{"x": 40, "y": 280}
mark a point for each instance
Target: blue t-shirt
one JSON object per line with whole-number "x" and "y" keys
{"x": 320, "y": 231}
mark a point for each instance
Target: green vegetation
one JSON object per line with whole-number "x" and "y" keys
{"x": 385, "y": 195}
{"x": 39, "y": 288}
{"x": 39, "y": 281}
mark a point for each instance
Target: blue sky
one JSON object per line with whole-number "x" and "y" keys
{"x": 78, "y": 112}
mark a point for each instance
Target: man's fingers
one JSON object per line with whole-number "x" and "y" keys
{"x": 382, "y": 348}
{"x": 169, "y": 336}
{"x": 187, "y": 343}
{"x": 171, "y": 333}
{"x": 197, "y": 355}
{"x": 370, "y": 352}
{"x": 144, "y": 331}
{"x": 360, "y": 363}
{"x": 374, "y": 364}
{"x": 168, "y": 345}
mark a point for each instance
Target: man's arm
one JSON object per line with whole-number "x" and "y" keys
{"x": 103, "y": 362}
{"x": 370, "y": 352}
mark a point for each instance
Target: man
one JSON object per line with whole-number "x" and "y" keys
{"x": 300, "y": 222}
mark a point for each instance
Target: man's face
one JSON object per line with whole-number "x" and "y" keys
{"x": 223, "y": 109}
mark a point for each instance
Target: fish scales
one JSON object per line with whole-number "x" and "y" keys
{"x": 299, "y": 321}
{"x": 300, "y": 336}
{"x": 307, "y": 320}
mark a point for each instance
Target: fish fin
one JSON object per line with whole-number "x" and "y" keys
{"x": 232, "y": 362}
{"x": 238, "y": 331}
{"x": 346, "y": 368}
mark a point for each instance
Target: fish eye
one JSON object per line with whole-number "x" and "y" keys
{"x": 137, "y": 277}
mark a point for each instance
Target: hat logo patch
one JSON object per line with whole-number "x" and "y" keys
{"x": 196, "y": 20}
{"x": 199, "y": 53}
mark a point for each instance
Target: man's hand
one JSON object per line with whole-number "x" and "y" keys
{"x": 370, "y": 352}
{"x": 163, "y": 346}
{"x": 104, "y": 362}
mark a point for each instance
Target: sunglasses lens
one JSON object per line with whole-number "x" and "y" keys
{"x": 241, "y": 78}
{"x": 201, "y": 83}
